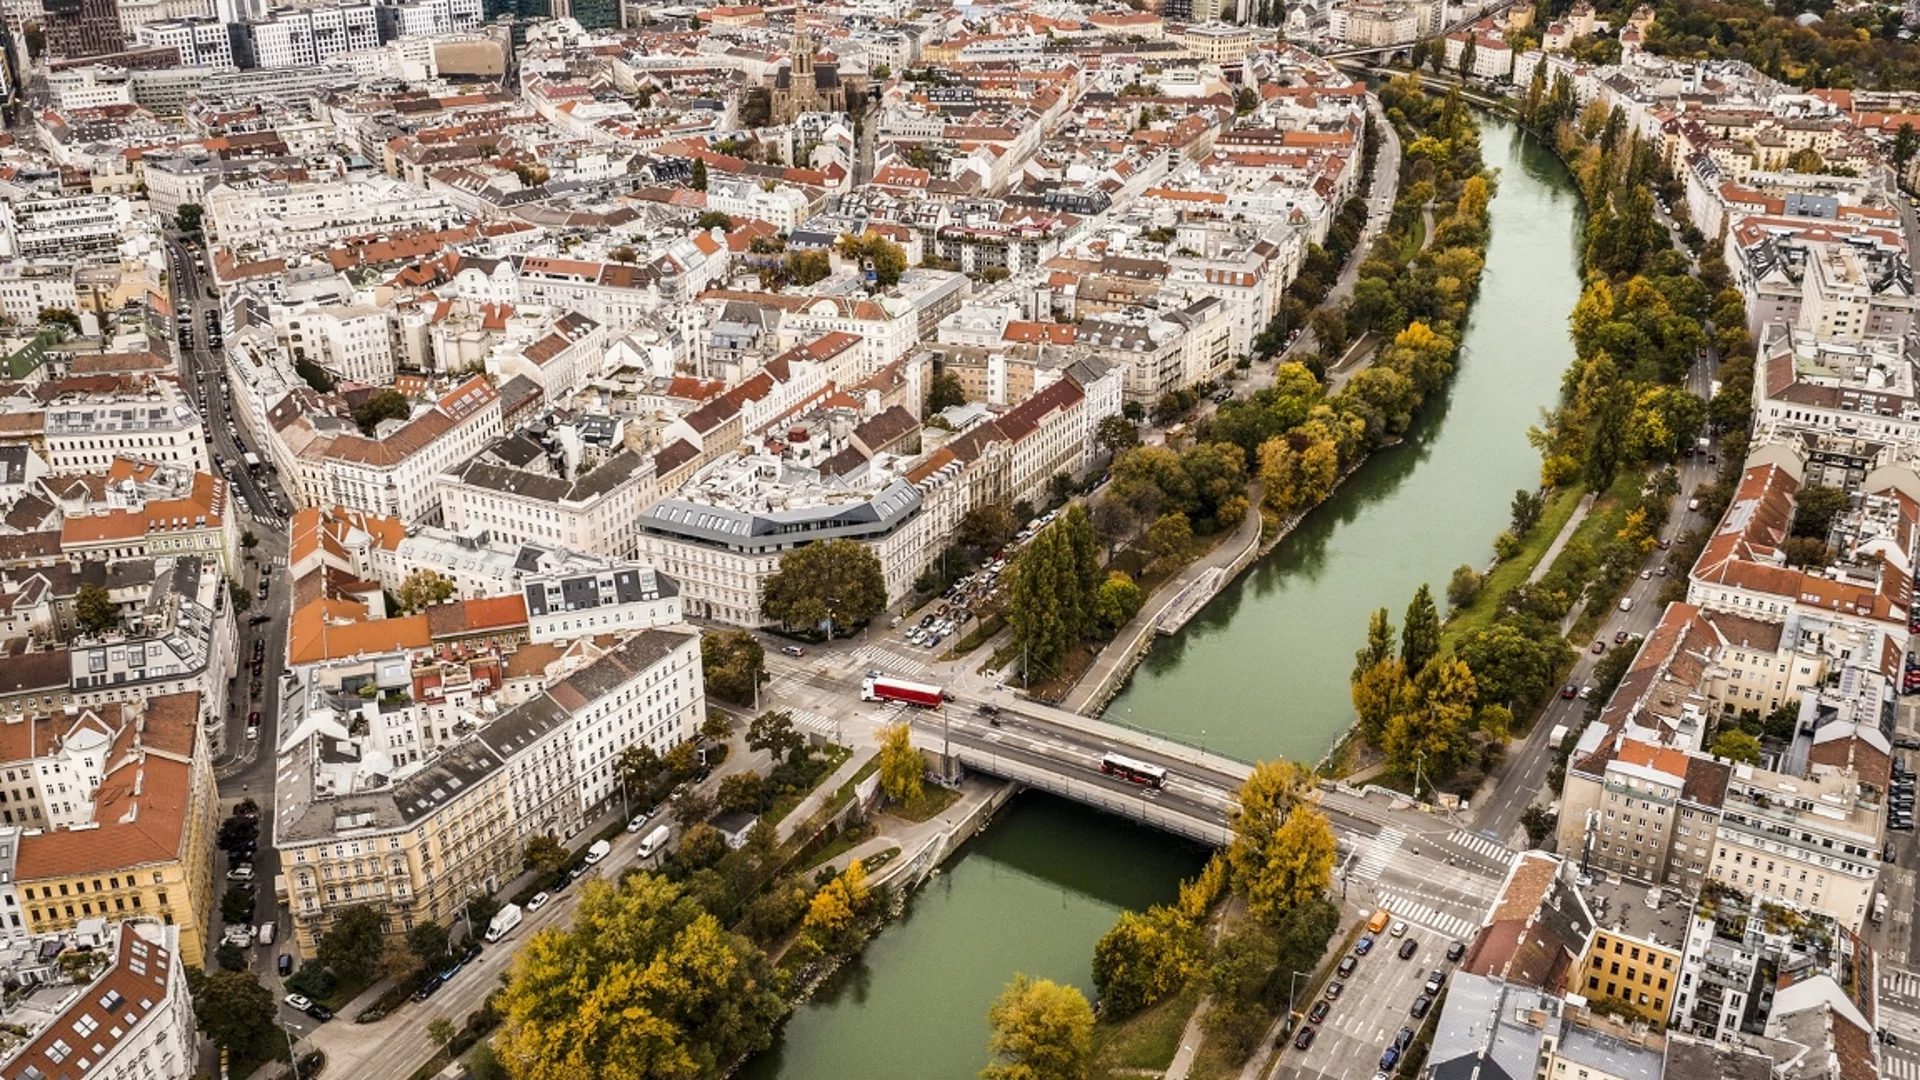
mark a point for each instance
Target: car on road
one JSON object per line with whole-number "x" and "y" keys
{"x": 792, "y": 650}
{"x": 285, "y": 965}
{"x": 1646, "y": 575}
{"x": 299, "y": 1002}
{"x": 639, "y": 821}
{"x": 253, "y": 718}
{"x": 427, "y": 988}
{"x": 1599, "y": 647}
{"x": 1408, "y": 948}
{"x": 1363, "y": 946}
{"x": 1620, "y": 637}
{"x": 1333, "y": 989}
{"x": 240, "y": 872}
{"x": 1568, "y": 691}
{"x": 253, "y": 733}
{"x": 1304, "y": 1039}
{"x": 1420, "y": 1006}
{"x": 539, "y": 901}
{"x": 319, "y": 1012}
{"x": 1347, "y": 964}
{"x": 1436, "y": 978}
{"x": 1665, "y": 544}
{"x": 1399, "y": 928}
{"x": 1389, "y": 1058}
{"x": 1319, "y": 1011}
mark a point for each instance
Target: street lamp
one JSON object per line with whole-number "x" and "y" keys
{"x": 1290, "y": 999}
{"x": 293, "y": 1055}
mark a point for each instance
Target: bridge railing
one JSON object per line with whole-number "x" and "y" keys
{"x": 1158, "y": 741}
{"x": 1139, "y": 808}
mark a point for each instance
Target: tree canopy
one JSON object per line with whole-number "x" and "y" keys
{"x": 837, "y": 579}
{"x": 1041, "y": 1030}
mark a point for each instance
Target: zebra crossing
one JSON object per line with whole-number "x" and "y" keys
{"x": 1379, "y": 851}
{"x": 813, "y": 721}
{"x": 888, "y": 661}
{"x": 1414, "y": 911}
{"x": 1478, "y": 844}
{"x": 1901, "y": 983}
{"x": 1899, "y": 1068}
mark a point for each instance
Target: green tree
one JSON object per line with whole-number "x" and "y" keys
{"x": 1540, "y": 823}
{"x": 901, "y": 766}
{"x": 440, "y": 1031}
{"x": 1468, "y": 53}
{"x": 1462, "y": 587}
{"x": 774, "y": 732}
{"x": 189, "y": 217}
{"x": 1050, "y": 599}
{"x": 1116, "y": 433}
{"x": 430, "y": 942}
{"x": 236, "y": 904}
{"x": 837, "y": 579}
{"x": 230, "y": 957}
{"x": 1420, "y": 636}
{"x": 1245, "y": 101}
{"x": 713, "y": 219}
{"x": 1379, "y": 644}
{"x": 644, "y": 983}
{"x": 233, "y": 1010}
{"x": 1144, "y": 958}
{"x": 1040, "y": 1031}
{"x": 944, "y": 390}
{"x": 424, "y": 588}
{"x": 1511, "y": 665}
{"x": 545, "y": 854}
{"x": 637, "y": 767}
{"x": 987, "y": 528}
{"x": 1905, "y": 143}
{"x": 385, "y": 405}
{"x": 1737, "y": 745}
{"x": 1115, "y": 603}
{"x": 807, "y": 267}
{"x": 1525, "y": 511}
{"x": 1814, "y": 508}
{"x": 59, "y": 316}
{"x": 351, "y": 946}
{"x": 97, "y": 612}
{"x": 733, "y": 662}
{"x": 699, "y": 174}
{"x": 871, "y": 250}
{"x": 743, "y": 793}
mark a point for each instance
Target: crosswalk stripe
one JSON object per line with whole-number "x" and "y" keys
{"x": 1378, "y": 853}
{"x": 1474, "y": 842}
{"x": 888, "y": 660}
{"x": 1904, "y": 984}
{"x": 1424, "y": 915}
{"x": 1901, "y": 1068}
{"x": 814, "y": 720}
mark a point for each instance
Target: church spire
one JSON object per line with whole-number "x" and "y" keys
{"x": 802, "y": 63}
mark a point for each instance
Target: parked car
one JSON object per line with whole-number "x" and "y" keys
{"x": 1333, "y": 989}
{"x": 1347, "y": 964}
{"x": 299, "y": 1002}
{"x": 1389, "y": 1059}
{"x": 539, "y": 901}
{"x": 1319, "y": 1011}
{"x": 1420, "y": 1006}
{"x": 1363, "y": 946}
{"x": 1408, "y": 948}
{"x": 639, "y": 821}
{"x": 285, "y": 965}
{"x": 1304, "y": 1039}
{"x": 1435, "y": 979}
{"x": 427, "y": 988}
{"x": 319, "y": 1012}
{"x": 793, "y": 650}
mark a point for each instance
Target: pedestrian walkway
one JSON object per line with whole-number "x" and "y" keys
{"x": 1378, "y": 853}
{"x": 823, "y": 793}
{"x": 1413, "y": 911}
{"x": 1566, "y": 533}
{"x": 887, "y": 660}
{"x": 1901, "y": 984}
{"x": 1190, "y": 1039}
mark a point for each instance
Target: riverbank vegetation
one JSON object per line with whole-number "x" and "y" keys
{"x": 1254, "y": 917}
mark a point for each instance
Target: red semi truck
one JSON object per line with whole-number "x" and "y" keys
{"x": 909, "y": 693}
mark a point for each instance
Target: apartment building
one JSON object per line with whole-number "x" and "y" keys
{"x": 87, "y": 433}
{"x": 201, "y": 42}
{"x": 1638, "y": 948}
{"x": 269, "y": 216}
{"x": 156, "y": 511}
{"x": 1813, "y": 842}
{"x": 129, "y": 1019}
{"x": 302, "y": 37}
{"x": 146, "y": 847}
{"x": 517, "y": 494}
{"x": 354, "y": 343}
{"x": 609, "y": 600}
{"x": 418, "y": 846}
{"x": 29, "y": 287}
{"x": 76, "y": 228}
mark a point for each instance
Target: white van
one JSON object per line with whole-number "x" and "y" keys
{"x": 1626, "y": 603}
{"x": 655, "y": 840}
{"x": 266, "y": 933}
{"x": 600, "y": 850}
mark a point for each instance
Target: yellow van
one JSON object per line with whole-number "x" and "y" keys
{"x": 1379, "y": 921}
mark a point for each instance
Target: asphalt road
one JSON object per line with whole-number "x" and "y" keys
{"x": 1373, "y": 1006}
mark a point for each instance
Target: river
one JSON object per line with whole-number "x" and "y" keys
{"x": 1261, "y": 672}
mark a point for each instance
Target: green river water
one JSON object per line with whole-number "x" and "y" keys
{"x": 1261, "y": 672}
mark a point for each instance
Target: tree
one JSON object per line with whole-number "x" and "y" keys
{"x": 96, "y": 610}
{"x": 1115, "y": 603}
{"x": 59, "y": 316}
{"x": 1468, "y": 53}
{"x": 1814, "y": 508}
{"x": 1040, "y": 1031}
{"x": 1428, "y": 740}
{"x": 1736, "y": 745}
{"x": 1905, "y": 143}
{"x": 1526, "y": 509}
{"x": 1540, "y": 823}
{"x": 545, "y": 854}
{"x": 236, "y": 904}
{"x": 699, "y": 174}
{"x": 774, "y": 732}
{"x": 1379, "y": 694}
{"x": 230, "y": 957}
{"x": 901, "y": 766}
{"x": 1116, "y": 433}
{"x": 1144, "y": 958}
{"x": 424, "y": 588}
{"x": 397, "y": 961}
{"x": 351, "y": 946}
{"x": 385, "y": 405}
{"x": 1266, "y": 802}
{"x": 644, "y": 983}
{"x": 828, "y": 579}
{"x": 1420, "y": 636}
{"x": 636, "y": 767}
{"x": 233, "y": 1010}
{"x": 876, "y": 253}
{"x": 242, "y": 599}
{"x": 944, "y": 390}
{"x": 430, "y": 942}
{"x": 1463, "y": 587}
{"x": 987, "y": 528}
{"x": 440, "y": 1030}
{"x": 733, "y": 662}
{"x": 743, "y": 793}
{"x": 1169, "y": 543}
{"x": 1050, "y": 598}
{"x": 1245, "y": 101}
{"x": 834, "y": 914}
{"x": 1379, "y": 644}
{"x": 807, "y": 267}
{"x": 189, "y": 217}
{"x": 1510, "y": 665}
{"x": 713, "y": 219}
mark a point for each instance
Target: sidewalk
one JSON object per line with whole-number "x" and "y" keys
{"x": 1566, "y": 533}
{"x": 824, "y": 792}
